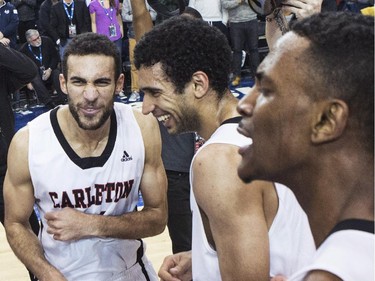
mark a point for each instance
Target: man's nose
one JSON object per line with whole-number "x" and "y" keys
{"x": 247, "y": 103}
{"x": 147, "y": 104}
{"x": 90, "y": 92}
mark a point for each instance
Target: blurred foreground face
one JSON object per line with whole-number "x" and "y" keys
{"x": 276, "y": 114}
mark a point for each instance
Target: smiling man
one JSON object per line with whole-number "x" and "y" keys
{"x": 311, "y": 119}
{"x": 83, "y": 164}
{"x": 184, "y": 65}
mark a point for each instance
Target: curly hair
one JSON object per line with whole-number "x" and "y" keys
{"x": 91, "y": 44}
{"x": 183, "y": 46}
{"x": 341, "y": 56}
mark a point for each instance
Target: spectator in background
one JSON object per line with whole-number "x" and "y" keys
{"x": 27, "y": 18}
{"x": 127, "y": 17}
{"x": 68, "y": 19}
{"x": 44, "y": 25}
{"x": 106, "y": 19}
{"x": 213, "y": 13}
{"x": 243, "y": 31}
{"x": 8, "y": 24}
{"x": 43, "y": 52}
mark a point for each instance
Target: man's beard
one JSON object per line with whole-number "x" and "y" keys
{"x": 91, "y": 126}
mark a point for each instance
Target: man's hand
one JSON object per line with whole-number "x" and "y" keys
{"x": 301, "y": 8}
{"x": 30, "y": 86}
{"x": 176, "y": 267}
{"x": 46, "y": 74}
{"x": 67, "y": 224}
{"x": 5, "y": 41}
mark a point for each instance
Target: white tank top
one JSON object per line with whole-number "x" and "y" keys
{"x": 291, "y": 242}
{"x": 347, "y": 253}
{"x": 106, "y": 185}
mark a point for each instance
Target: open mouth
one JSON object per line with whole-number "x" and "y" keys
{"x": 242, "y": 131}
{"x": 164, "y": 118}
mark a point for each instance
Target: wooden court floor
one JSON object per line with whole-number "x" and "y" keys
{"x": 11, "y": 268}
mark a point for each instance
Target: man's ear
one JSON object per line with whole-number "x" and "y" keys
{"x": 120, "y": 83}
{"x": 200, "y": 84}
{"x": 330, "y": 122}
{"x": 63, "y": 83}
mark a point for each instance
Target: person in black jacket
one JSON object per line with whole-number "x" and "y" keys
{"x": 68, "y": 19}
{"x": 44, "y": 54}
{"x": 16, "y": 70}
{"x": 44, "y": 24}
{"x": 27, "y": 18}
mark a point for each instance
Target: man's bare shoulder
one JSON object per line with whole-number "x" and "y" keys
{"x": 223, "y": 153}
{"x": 21, "y": 137}
{"x": 144, "y": 121}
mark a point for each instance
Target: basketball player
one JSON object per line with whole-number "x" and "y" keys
{"x": 184, "y": 66}
{"x": 84, "y": 164}
{"x": 311, "y": 120}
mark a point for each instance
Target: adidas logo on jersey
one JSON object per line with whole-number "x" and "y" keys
{"x": 126, "y": 157}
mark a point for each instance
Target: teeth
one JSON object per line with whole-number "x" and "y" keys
{"x": 164, "y": 118}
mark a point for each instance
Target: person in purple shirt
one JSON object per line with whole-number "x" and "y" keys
{"x": 106, "y": 19}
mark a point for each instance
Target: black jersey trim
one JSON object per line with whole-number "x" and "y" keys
{"x": 140, "y": 261}
{"x": 354, "y": 224}
{"x": 86, "y": 162}
{"x": 235, "y": 120}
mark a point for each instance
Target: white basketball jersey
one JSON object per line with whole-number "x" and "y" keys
{"x": 347, "y": 253}
{"x": 290, "y": 237}
{"x": 104, "y": 185}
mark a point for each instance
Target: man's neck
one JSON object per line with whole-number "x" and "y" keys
{"x": 216, "y": 112}
{"x": 337, "y": 191}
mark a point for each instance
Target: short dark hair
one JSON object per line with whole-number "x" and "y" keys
{"x": 183, "y": 46}
{"x": 341, "y": 55}
{"x": 91, "y": 44}
{"x": 190, "y": 11}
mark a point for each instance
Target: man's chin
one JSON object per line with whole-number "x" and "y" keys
{"x": 244, "y": 174}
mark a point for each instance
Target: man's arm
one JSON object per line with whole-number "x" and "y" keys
{"x": 52, "y": 53}
{"x": 300, "y": 8}
{"x": 22, "y": 69}
{"x": 19, "y": 202}
{"x": 44, "y": 19}
{"x": 232, "y": 213}
{"x": 86, "y": 18}
{"x": 54, "y": 23}
{"x": 142, "y": 21}
{"x": 230, "y": 4}
{"x": 69, "y": 224}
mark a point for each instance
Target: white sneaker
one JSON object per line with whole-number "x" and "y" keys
{"x": 134, "y": 96}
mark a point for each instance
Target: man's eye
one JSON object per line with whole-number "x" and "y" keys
{"x": 78, "y": 82}
{"x": 265, "y": 92}
{"x": 102, "y": 83}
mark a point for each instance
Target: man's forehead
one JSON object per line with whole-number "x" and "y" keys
{"x": 90, "y": 64}
{"x": 288, "y": 48}
{"x": 291, "y": 41}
